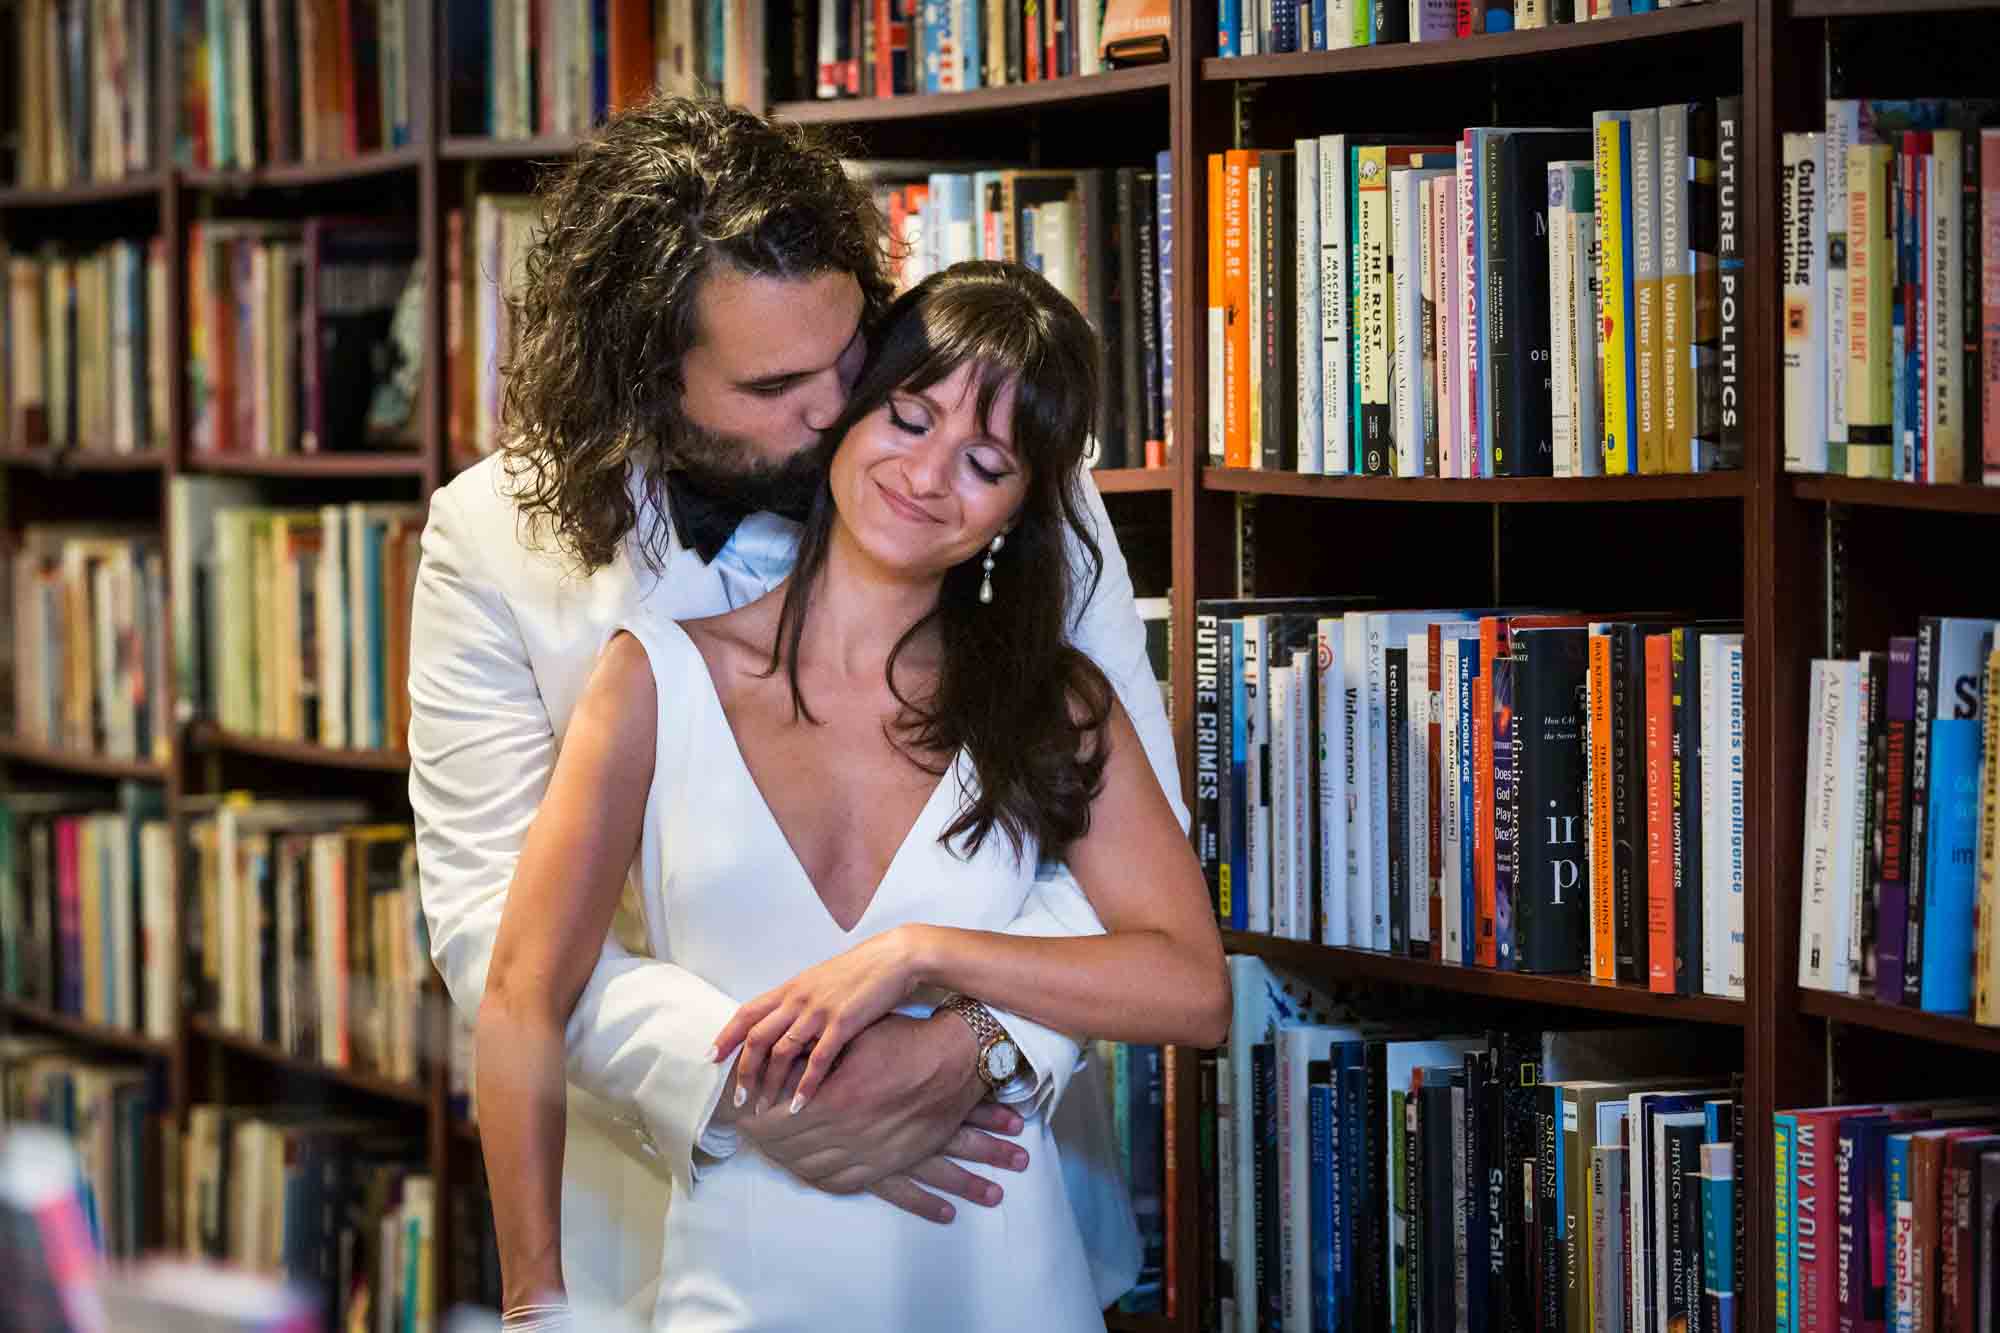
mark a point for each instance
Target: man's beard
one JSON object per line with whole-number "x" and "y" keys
{"x": 729, "y": 469}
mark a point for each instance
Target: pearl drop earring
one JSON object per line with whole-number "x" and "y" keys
{"x": 986, "y": 582}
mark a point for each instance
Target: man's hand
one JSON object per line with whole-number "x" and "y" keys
{"x": 901, "y": 1103}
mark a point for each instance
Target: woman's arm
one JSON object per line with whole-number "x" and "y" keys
{"x": 559, "y": 907}
{"x": 1156, "y": 975}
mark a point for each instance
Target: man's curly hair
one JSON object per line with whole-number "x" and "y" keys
{"x": 662, "y": 194}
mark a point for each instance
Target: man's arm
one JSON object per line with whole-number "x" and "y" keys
{"x": 1107, "y": 628}
{"x": 481, "y": 753}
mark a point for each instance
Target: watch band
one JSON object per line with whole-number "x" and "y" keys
{"x": 986, "y": 1032}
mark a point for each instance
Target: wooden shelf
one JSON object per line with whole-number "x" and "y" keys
{"x": 375, "y": 1085}
{"x": 1482, "y": 490}
{"x": 1117, "y": 1321}
{"x": 96, "y": 1034}
{"x": 397, "y": 463}
{"x": 1396, "y": 56}
{"x": 1944, "y": 1029}
{"x": 16, "y": 750}
{"x": 124, "y": 190}
{"x": 481, "y": 148}
{"x": 1133, "y": 480}
{"x": 60, "y": 461}
{"x": 292, "y": 175}
{"x": 208, "y": 736}
{"x": 1049, "y": 93}
{"x": 1842, "y": 9}
{"x": 1897, "y": 494}
{"x": 1567, "y": 992}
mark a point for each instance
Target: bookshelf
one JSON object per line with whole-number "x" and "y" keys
{"x": 1752, "y": 541}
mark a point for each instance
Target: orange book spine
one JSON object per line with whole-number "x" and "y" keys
{"x": 1604, "y": 936}
{"x": 1236, "y": 311}
{"x": 1492, "y": 636}
{"x": 631, "y": 55}
{"x": 1659, "y": 814}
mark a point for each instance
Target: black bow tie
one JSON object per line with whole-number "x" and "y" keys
{"x": 701, "y": 522}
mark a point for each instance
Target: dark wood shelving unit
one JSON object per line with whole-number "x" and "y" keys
{"x": 480, "y": 148}
{"x": 384, "y": 463}
{"x": 1337, "y": 963}
{"x": 375, "y": 1085}
{"x": 57, "y": 462}
{"x": 1133, "y": 480}
{"x": 1050, "y": 93}
{"x": 37, "y": 1018}
{"x": 293, "y": 175}
{"x": 1943, "y": 1029}
{"x": 124, "y": 190}
{"x": 209, "y": 737}
{"x": 1482, "y": 49}
{"x": 1480, "y": 490}
{"x": 1897, "y": 494}
{"x": 15, "y": 750}
{"x": 1915, "y": 9}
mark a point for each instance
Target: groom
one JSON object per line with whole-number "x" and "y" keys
{"x": 693, "y": 317}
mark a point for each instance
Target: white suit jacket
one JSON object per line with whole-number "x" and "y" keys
{"x": 503, "y": 639}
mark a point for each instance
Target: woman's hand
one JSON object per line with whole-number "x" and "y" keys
{"x": 820, "y": 1010}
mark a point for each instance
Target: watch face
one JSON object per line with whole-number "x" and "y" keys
{"x": 1001, "y": 1061}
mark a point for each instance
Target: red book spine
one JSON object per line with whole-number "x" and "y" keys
{"x": 1989, "y": 286}
{"x": 1434, "y": 757}
{"x": 1492, "y": 634}
{"x": 1659, "y": 814}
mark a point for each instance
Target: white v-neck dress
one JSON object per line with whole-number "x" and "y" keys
{"x": 751, "y": 1247}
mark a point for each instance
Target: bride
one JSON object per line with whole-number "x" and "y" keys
{"x": 848, "y": 796}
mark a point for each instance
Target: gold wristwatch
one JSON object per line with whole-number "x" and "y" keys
{"x": 999, "y": 1059}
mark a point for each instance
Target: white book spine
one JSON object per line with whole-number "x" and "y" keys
{"x": 1804, "y": 200}
{"x": 1305, "y": 673}
{"x": 1311, "y": 382}
{"x": 1714, "y": 852}
{"x": 1406, "y": 391}
{"x": 1733, "y": 674}
{"x": 1334, "y": 786}
{"x": 1584, "y": 351}
{"x": 1562, "y": 324}
{"x": 1823, "y": 727}
{"x": 1360, "y": 785}
{"x": 1854, "y": 766}
{"x": 1336, "y": 369}
{"x": 1378, "y": 779}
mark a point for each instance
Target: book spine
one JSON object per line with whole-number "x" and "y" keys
{"x": 1784, "y": 1310}
{"x": 1217, "y": 311}
{"x": 1208, "y": 758}
{"x": 1659, "y": 814}
{"x": 1311, "y": 422}
{"x": 1730, "y": 280}
{"x": 1374, "y": 323}
{"x": 1918, "y": 849}
{"x": 1613, "y": 219}
{"x": 1870, "y": 266}
{"x": 1843, "y": 124}
{"x": 1603, "y": 920}
{"x": 1335, "y": 310}
{"x": 1677, "y": 287}
{"x": 1805, "y": 356}
{"x": 1987, "y": 844}
{"x": 1989, "y": 314}
{"x": 1647, "y": 340}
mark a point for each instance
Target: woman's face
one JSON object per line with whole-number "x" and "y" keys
{"x": 920, "y": 485}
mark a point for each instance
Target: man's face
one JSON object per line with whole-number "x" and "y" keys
{"x": 771, "y": 367}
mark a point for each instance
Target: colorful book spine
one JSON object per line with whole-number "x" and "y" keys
{"x": 1614, "y": 246}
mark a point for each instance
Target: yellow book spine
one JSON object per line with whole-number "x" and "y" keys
{"x": 1614, "y": 334}
{"x": 1870, "y": 414}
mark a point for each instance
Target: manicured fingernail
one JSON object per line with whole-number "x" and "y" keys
{"x": 742, "y": 1096}
{"x": 945, "y": 1214}
{"x": 798, "y": 1101}
{"x": 714, "y": 1054}
{"x": 1018, "y": 1160}
{"x": 992, "y": 1194}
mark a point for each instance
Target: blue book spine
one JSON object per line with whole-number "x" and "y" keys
{"x": 1354, "y": 1185}
{"x": 1163, "y": 171}
{"x": 1949, "y": 864}
{"x": 1319, "y": 25}
{"x": 1468, "y": 935}
{"x": 1320, "y": 1122}
{"x": 1228, "y": 22}
{"x": 371, "y": 543}
{"x": 1784, "y": 1132}
{"x": 1499, "y": 16}
{"x": 600, "y": 60}
{"x": 971, "y": 44}
{"x": 1239, "y": 815}
{"x": 931, "y": 22}
{"x": 1642, "y": 6}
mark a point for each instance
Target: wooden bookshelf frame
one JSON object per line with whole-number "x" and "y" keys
{"x": 1200, "y": 99}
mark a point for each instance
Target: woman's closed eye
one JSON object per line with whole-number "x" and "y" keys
{"x": 915, "y": 424}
